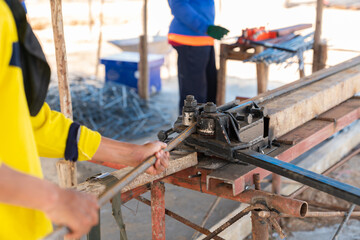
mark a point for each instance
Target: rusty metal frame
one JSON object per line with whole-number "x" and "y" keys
{"x": 292, "y": 145}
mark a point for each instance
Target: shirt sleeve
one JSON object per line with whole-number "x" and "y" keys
{"x": 51, "y": 130}
{"x": 183, "y": 12}
{"x": 5, "y": 46}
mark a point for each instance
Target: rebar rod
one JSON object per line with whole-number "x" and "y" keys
{"x": 128, "y": 178}
{"x": 346, "y": 219}
{"x": 180, "y": 219}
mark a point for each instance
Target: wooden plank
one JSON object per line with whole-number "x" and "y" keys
{"x": 294, "y": 109}
{"x": 317, "y": 130}
{"x": 344, "y": 4}
{"x": 343, "y": 114}
{"x": 241, "y": 55}
{"x": 66, "y": 169}
{"x": 288, "y": 30}
{"x": 99, "y": 186}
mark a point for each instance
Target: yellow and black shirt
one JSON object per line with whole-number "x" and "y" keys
{"x": 24, "y": 138}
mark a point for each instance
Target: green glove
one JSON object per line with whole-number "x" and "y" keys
{"x": 216, "y": 32}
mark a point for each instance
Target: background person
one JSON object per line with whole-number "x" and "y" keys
{"x": 192, "y": 33}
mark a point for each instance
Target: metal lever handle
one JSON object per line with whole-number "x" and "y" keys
{"x": 128, "y": 178}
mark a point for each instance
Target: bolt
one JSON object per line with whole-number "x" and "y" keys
{"x": 198, "y": 174}
{"x": 256, "y": 180}
{"x": 248, "y": 118}
{"x": 210, "y": 107}
{"x": 163, "y": 135}
{"x": 264, "y": 214}
{"x": 190, "y": 101}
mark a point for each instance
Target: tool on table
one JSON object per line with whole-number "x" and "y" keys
{"x": 262, "y": 37}
{"x": 109, "y": 194}
{"x": 237, "y": 132}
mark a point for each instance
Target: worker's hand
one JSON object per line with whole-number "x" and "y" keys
{"x": 216, "y": 32}
{"x": 78, "y": 211}
{"x": 162, "y": 161}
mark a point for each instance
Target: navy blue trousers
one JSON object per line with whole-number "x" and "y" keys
{"x": 197, "y": 73}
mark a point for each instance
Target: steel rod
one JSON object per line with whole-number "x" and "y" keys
{"x": 207, "y": 215}
{"x": 231, "y": 221}
{"x": 324, "y": 214}
{"x": 321, "y": 74}
{"x": 346, "y": 219}
{"x": 314, "y": 180}
{"x": 109, "y": 194}
{"x": 180, "y": 219}
{"x": 353, "y": 152}
{"x": 326, "y": 206}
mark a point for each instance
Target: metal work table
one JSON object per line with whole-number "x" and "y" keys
{"x": 238, "y": 180}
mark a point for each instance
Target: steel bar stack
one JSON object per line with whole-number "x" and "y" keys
{"x": 271, "y": 55}
{"x": 115, "y": 110}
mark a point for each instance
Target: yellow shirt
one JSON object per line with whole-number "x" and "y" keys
{"x": 23, "y": 138}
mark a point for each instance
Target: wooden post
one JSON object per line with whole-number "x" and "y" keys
{"x": 322, "y": 54}
{"x": 317, "y": 35}
{"x": 66, "y": 169}
{"x": 221, "y": 81}
{"x": 301, "y": 64}
{"x": 302, "y": 73}
{"x": 143, "y": 83}
{"x": 276, "y": 183}
{"x": 158, "y": 211}
{"x": 91, "y": 21}
{"x": 260, "y": 227}
{"x": 101, "y": 18}
{"x": 262, "y": 73}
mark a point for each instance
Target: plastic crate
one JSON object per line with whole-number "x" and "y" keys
{"x": 123, "y": 68}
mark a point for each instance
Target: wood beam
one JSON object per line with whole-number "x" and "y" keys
{"x": 66, "y": 169}
{"x": 295, "y": 108}
{"x": 98, "y": 186}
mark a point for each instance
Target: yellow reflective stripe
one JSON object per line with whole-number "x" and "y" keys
{"x": 191, "y": 40}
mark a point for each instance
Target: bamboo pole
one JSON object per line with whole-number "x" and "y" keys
{"x": 325, "y": 214}
{"x": 143, "y": 83}
{"x": 317, "y": 36}
{"x": 91, "y": 21}
{"x": 98, "y": 52}
{"x": 66, "y": 169}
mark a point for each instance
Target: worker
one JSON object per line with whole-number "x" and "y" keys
{"x": 192, "y": 33}
{"x": 28, "y": 203}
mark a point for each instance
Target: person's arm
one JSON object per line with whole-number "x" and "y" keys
{"x": 78, "y": 211}
{"x": 51, "y": 130}
{"x": 183, "y": 12}
{"x": 132, "y": 154}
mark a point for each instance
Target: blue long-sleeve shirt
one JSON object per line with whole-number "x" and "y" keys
{"x": 191, "y": 20}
